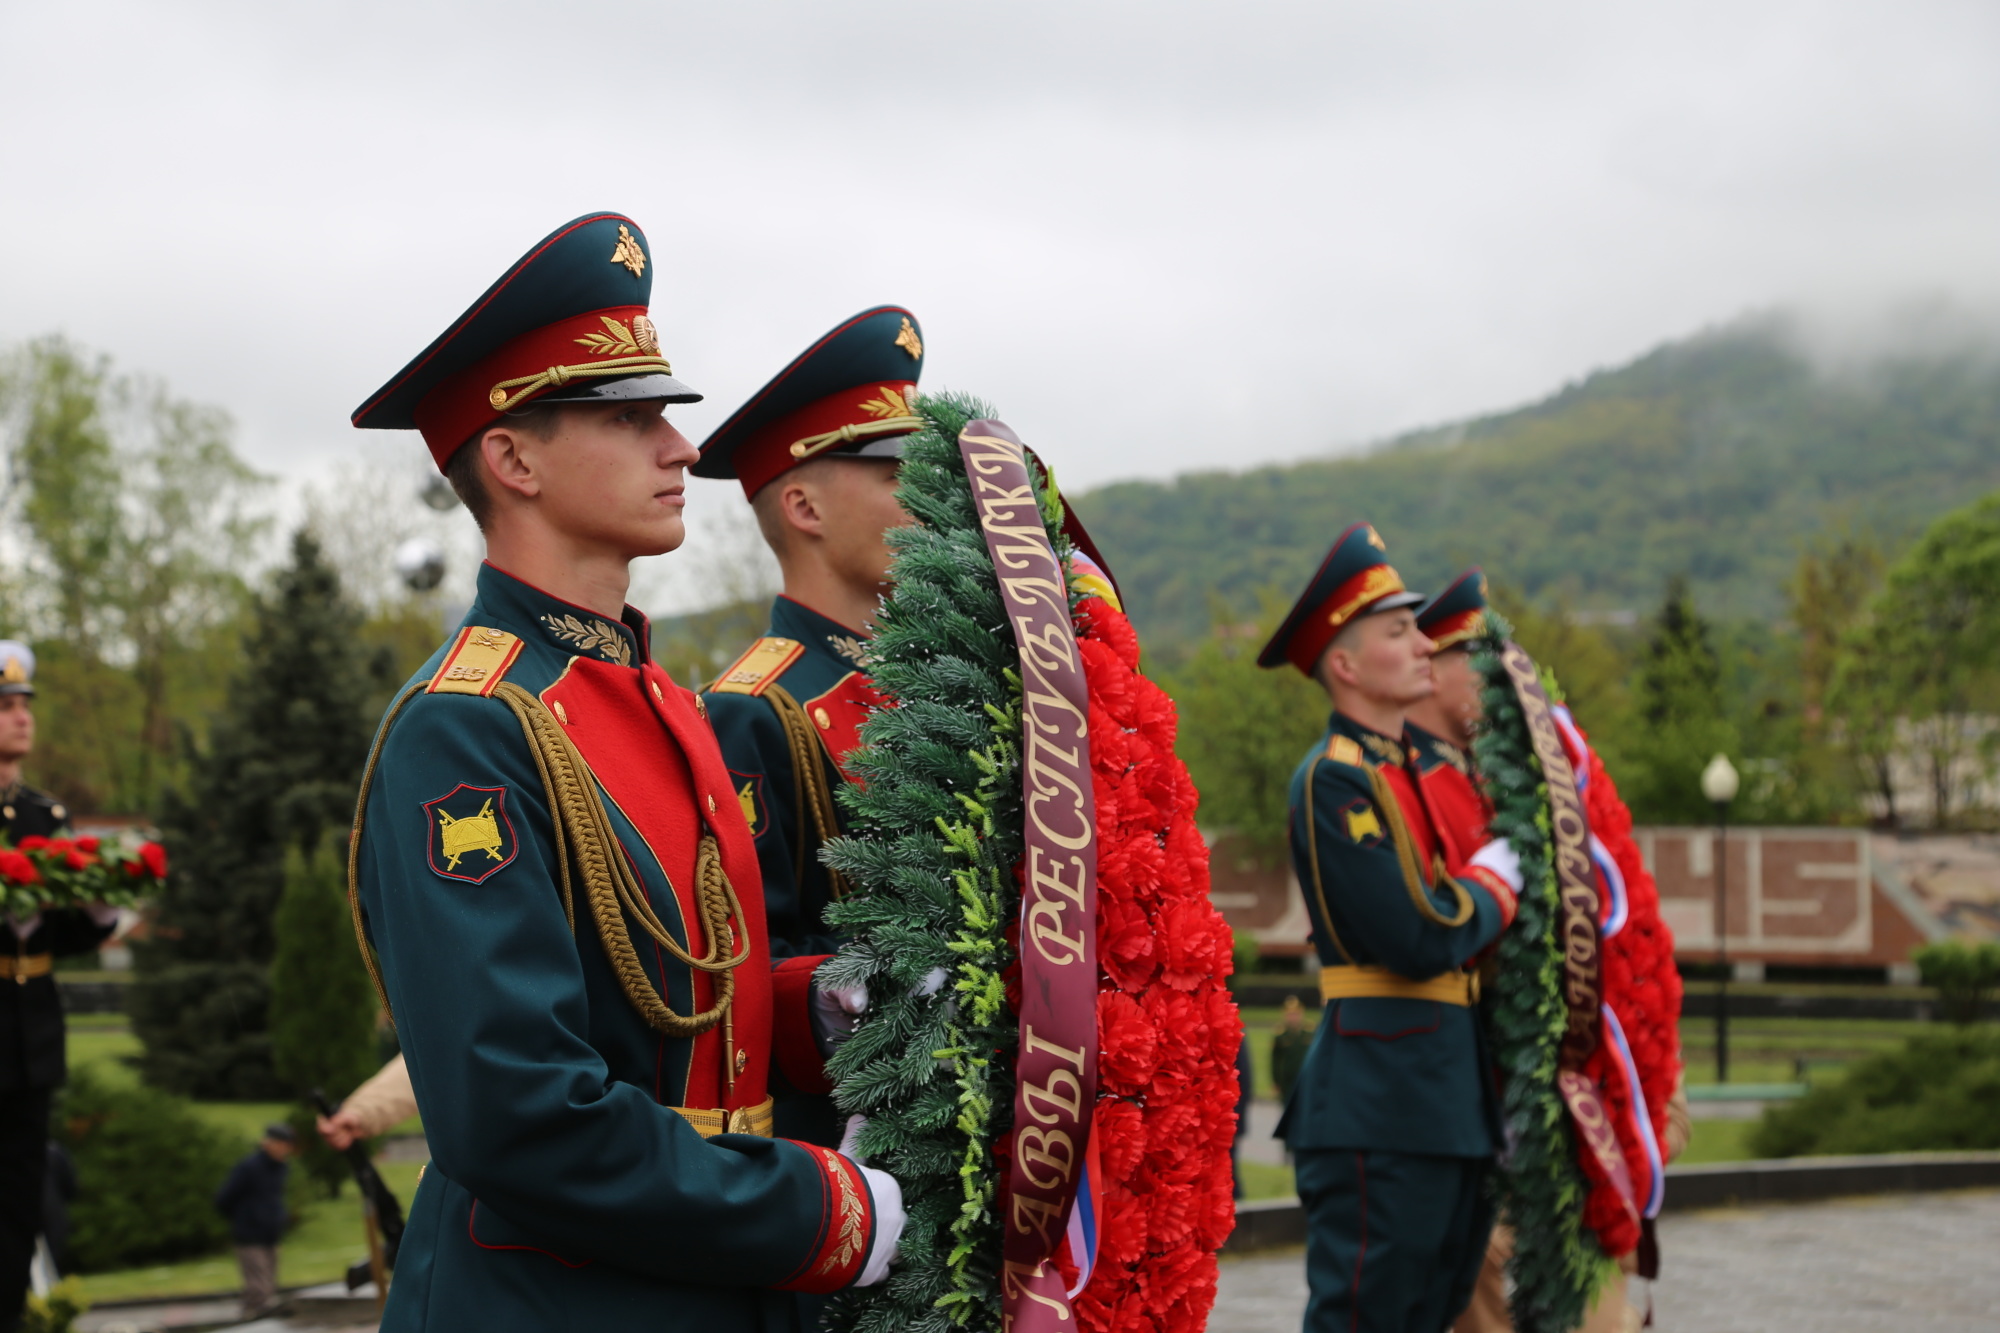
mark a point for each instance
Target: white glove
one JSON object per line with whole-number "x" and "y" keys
{"x": 835, "y": 1014}
{"x": 1500, "y": 857}
{"x": 888, "y": 1196}
{"x": 889, "y": 1221}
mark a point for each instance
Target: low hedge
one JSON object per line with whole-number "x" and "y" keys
{"x": 147, "y": 1168}
{"x": 1938, "y": 1093}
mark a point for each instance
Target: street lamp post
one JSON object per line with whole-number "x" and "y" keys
{"x": 1719, "y": 783}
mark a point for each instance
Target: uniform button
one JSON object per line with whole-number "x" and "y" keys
{"x": 701, "y": 706}
{"x": 711, "y": 805}
{"x": 742, "y": 1061}
{"x": 819, "y": 716}
{"x": 656, "y": 691}
{"x": 560, "y": 713}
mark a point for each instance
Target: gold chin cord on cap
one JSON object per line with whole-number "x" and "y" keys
{"x": 819, "y": 444}
{"x": 507, "y": 393}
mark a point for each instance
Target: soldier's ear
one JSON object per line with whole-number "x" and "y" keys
{"x": 510, "y": 466}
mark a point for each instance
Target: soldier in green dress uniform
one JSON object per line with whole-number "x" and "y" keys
{"x": 1394, "y": 1119}
{"x": 554, "y": 882}
{"x": 816, "y": 452}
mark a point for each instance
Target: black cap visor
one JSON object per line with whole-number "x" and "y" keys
{"x": 633, "y": 388}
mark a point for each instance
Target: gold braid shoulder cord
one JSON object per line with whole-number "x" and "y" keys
{"x": 809, "y": 773}
{"x": 1406, "y": 857}
{"x": 583, "y": 831}
{"x": 810, "y": 790}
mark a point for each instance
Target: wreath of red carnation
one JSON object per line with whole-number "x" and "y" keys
{"x": 1643, "y": 989}
{"x": 1167, "y": 1028}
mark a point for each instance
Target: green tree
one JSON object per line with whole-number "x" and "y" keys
{"x": 1680, "y": 716}
{"x": 1920, "y": 679}
{"x": 281, "y": 769}
{"x": 1242, "y": 731}
{"x": 132, "y": 512}
{"x": 322, "y": 1004}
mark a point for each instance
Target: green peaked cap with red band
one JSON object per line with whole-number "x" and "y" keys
{"x": 1456, "y": 614}
{"x": 568, "y": 322}
{"x": 1354, "y": 580}
{"x": 851, "y": 393}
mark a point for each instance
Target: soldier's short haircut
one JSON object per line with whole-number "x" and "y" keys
{"x": 764, "y": 504}
{"x": 466, "y": 471}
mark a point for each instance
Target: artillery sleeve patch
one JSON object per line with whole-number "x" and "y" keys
{"x": 1360, "y": 822}
{"x": 750, "y": 795}
{"x": 471, "y": 837}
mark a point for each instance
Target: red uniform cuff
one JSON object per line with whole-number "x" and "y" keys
{"x": 1502, "y": 895}
{"x": 799, "y": 1058}
{"x": 847, "y": 1223}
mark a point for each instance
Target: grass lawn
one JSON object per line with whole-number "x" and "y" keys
{"x": 327, "y": 1237}
{"x": 1772, "y": 1050}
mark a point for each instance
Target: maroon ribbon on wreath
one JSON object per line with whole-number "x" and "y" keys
{"x": 1055, "y": 1070}
{"x": 1576, "y": 926}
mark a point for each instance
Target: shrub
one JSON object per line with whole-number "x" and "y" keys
{"x": 1937, "y": 1093}
{"x": 322, "y": 1005}
{"x": 147, "y": 1168}
{"x": 1963, "y": 973}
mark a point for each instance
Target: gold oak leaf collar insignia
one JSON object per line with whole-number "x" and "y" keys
{"x": 596, "y": 637}
{"x": 629, "y": 252}
{"x": 1386, "y": 750}
{"x": 847, "y": 646}
{"x": 907, "y": 339}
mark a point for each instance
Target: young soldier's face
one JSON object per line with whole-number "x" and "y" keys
{"x": 614, "y": 474}
{"x": 1384, "y": 657}
{"x": 17, "y": 727}
{"x": 861, "y": 508}
{"x": 1457, "y": 685}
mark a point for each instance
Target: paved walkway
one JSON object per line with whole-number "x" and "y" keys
{"x": 1908, "y": 1263}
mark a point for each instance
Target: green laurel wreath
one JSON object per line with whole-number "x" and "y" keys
{"x": 934, "y": 836}
{"x": 1557, "y": 1266}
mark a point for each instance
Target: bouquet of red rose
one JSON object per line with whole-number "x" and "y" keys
{"x": 41, "y": 873}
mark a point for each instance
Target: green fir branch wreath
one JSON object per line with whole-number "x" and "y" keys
{"x": 934, "y": 836}
{"x": 1557, "y": 1265}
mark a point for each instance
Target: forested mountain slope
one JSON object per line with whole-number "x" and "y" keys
{"x": 1719, "y": 457}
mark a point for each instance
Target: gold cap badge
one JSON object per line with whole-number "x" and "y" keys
{"x": 628, "y": 252}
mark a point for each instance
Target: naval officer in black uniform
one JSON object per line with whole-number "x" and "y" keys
{"x": 31, "y": 1017}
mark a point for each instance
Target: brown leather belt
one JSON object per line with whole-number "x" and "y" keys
{"x": 25, "y": 966}
{"x": 749, "y": 1120}
{"x": 1379, "y": 983}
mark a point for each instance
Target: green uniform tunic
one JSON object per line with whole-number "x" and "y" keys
{"x": 564, "y": 1190}
{"x": 1395, "y": 1115}
{"x": 810, "y": 666}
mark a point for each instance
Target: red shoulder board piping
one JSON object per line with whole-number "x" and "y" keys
{"x": 759, "y": 668}
{"x": 478, "y": 659}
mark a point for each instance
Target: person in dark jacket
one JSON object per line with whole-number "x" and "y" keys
{"x": 253, "y": 1199}
{"x": 31, "y": 1017}
{"x": 1288, "y": 1048}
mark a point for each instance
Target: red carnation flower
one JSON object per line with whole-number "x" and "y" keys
{"x": 16, "y": 868}
{"x": 33, "y": 843}
{"x": 155, "y": 857}
{"x": 76, "y": 860}
{"x": 88, "y": 844}
{"x": 1128, "y": 1044}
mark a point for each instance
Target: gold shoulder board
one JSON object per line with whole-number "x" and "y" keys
{"x": 759, "y": 669}
{"x": 1344, "y": 750}
{"x": 478, "y": 659}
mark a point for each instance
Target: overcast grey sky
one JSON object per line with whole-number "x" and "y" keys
{"x": 1161, "y": 236}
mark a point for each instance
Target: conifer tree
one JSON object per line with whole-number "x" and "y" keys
{"x": 281, "y": 768}
{"x": 322, "y": 1005}
{"x": 1679, "y": 702}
